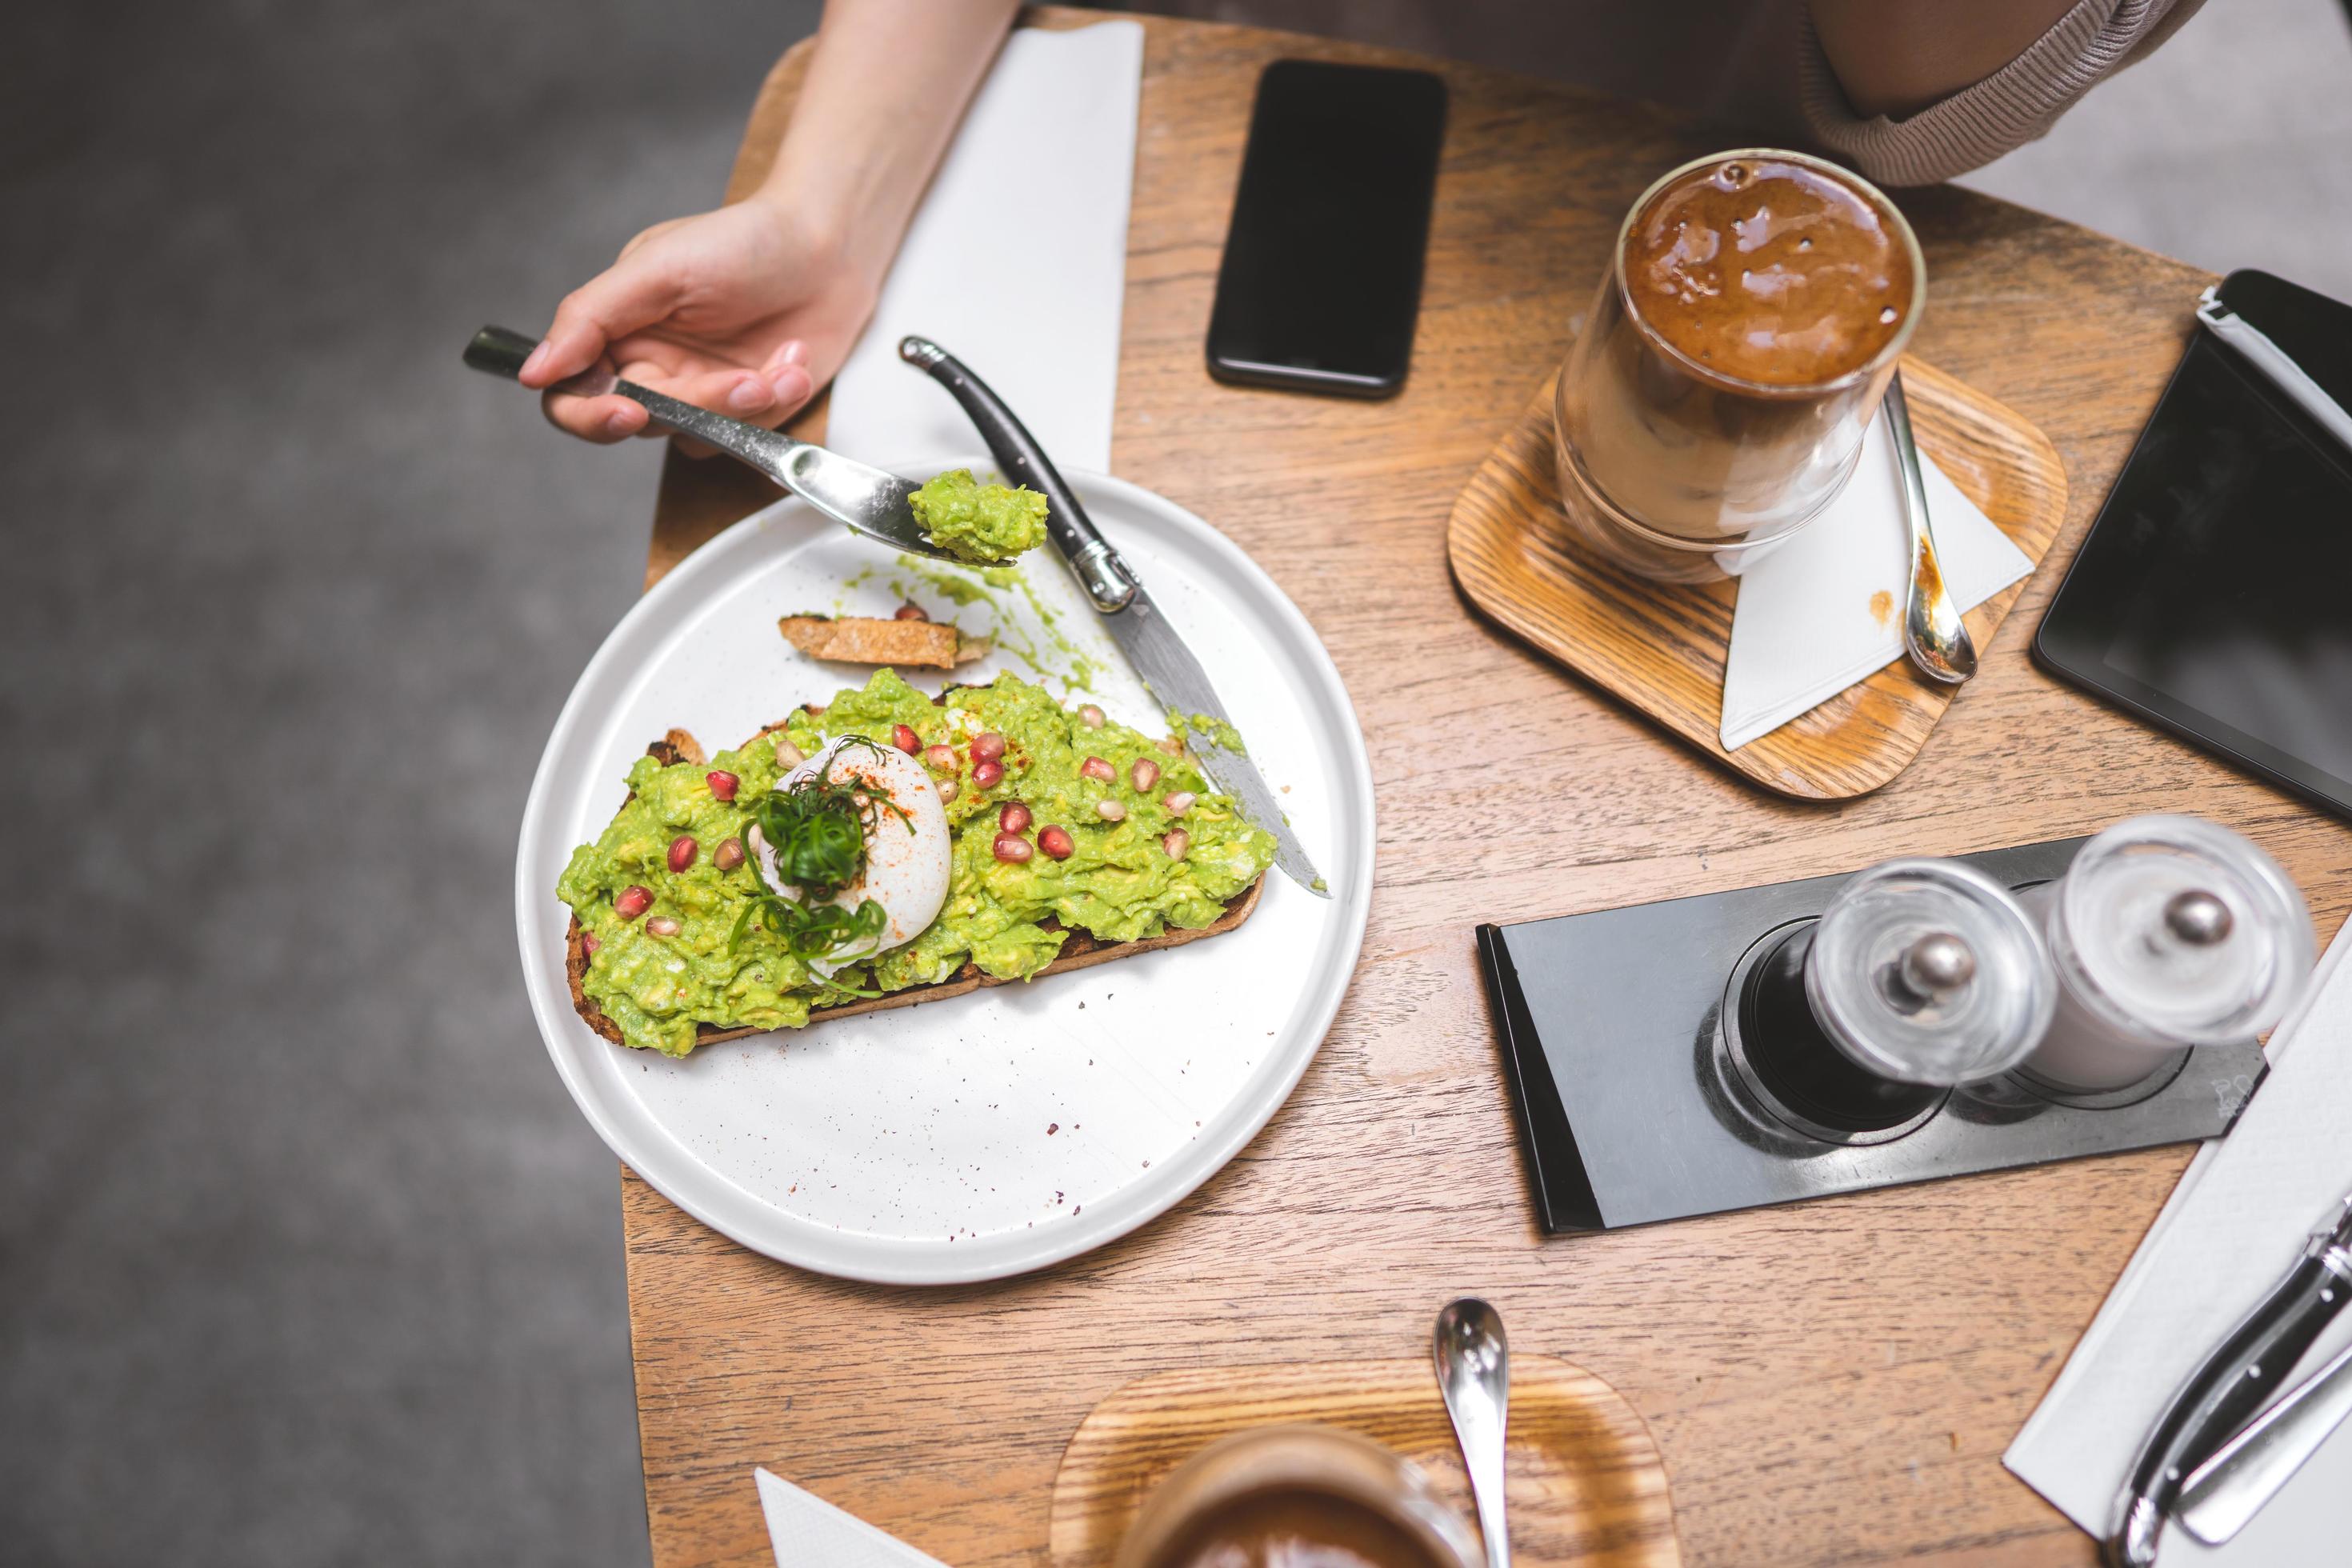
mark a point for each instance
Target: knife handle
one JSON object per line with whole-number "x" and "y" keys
{"x": 1099, "y": 571}
{"x": 2223, "y": 1393}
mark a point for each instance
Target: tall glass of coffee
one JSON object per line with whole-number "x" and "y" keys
{"x": 1716, "y": 400}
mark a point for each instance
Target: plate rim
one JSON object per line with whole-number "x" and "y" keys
{"x": 883, "y": 1260}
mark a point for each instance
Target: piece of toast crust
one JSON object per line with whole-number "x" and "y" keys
{"x": 868, "y": 639}
{"x": 1081, "y": 950}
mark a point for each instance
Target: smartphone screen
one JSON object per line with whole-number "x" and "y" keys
{"x": 1321, "y": 278}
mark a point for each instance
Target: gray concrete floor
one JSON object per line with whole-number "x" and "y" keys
{"x": 2229, "y": 147}
{"x": 306, "y": 1257}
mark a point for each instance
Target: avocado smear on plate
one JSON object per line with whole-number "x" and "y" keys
{"x": 981, "y": 524}
{"x": 1119, "y": 881}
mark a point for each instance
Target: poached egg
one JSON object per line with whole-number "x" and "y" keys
{"x": 908, "y": 854}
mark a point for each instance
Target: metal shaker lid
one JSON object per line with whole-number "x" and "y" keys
{"x": 1929, "y": 972}
{"x": 2178, "y": 930}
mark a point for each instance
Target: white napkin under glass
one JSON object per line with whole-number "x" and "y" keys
{"x": 1823, "y": 609}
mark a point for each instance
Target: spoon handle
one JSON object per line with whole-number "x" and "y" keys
{"x": 1482, "y": 1455}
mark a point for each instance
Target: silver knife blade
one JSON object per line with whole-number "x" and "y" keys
{"x": 870, "y": 500}
{"x": 2225, "y": 1492}
{"x": 1177, "y": 679}
{"x": 857, "y": 494}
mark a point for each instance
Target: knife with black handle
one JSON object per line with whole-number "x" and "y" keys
{"x": 2222, "y": 1394}
{"x": 1128, "y": 612}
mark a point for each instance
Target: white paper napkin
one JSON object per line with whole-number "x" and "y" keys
{"x": 807, "y": 1532}
{"x": 1824, "y": 609}
{"x": 2230, "y": 1229}
{"x": 1016, "y": 261}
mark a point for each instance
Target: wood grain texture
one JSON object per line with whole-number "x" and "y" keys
{"x": 1583, "y": 1484}
{"x": 1662, "y": 647}
{"x": 1829, "y": 1383}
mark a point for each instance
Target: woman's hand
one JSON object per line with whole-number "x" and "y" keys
{"x": 751, "y": 308}
{"x": 747, "y": 311}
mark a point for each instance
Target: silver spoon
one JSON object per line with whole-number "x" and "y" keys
{"x": 1933, "y": 633}
{"x": 1474, "y": 1372}
{"x": 864, "y": 498}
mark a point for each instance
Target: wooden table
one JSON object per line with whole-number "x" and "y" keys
{"x": 1832, "y": 1382}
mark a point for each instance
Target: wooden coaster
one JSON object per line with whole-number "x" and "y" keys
{"x": 1661, "y": 646}
{"x": 1585, "y": 1484}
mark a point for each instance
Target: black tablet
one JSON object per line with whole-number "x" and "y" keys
{"x": 2213, "y": 596}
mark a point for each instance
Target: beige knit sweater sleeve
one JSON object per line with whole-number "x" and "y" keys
{"x": 2014, "y": 105}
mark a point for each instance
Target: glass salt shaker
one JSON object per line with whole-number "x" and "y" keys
{"x": 2166, "y": 932}
{"x": 1920, "y": 976}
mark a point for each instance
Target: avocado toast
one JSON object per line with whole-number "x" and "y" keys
{"x": 1073, "y": 840}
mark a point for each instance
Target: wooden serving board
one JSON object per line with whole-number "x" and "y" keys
{"x": 1585, "y": 1484}
{"x": 1661, "y": 646}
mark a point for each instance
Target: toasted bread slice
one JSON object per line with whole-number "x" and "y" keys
{"x": 1080, "y": 950}
{"x": 866, "y": 639}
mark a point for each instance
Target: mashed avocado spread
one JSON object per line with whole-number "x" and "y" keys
{"x": 1119, "y": 881}
{"x": 983, "y": 524}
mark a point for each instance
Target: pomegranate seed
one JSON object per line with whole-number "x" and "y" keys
{"x": 661, "y": 925}
{"x": 722, "y": 784}
{"x": 632, "y": 901}
{"x": 1171, "y": 744}
{"x": 728, "y": 855}
{"x": 1056, "y": 841}
{"x": 940, "y": 758}
{"x": 588, "y": 943}
{"x": 1177, "y": 842}
{"x": 1091, "y": 716}
{"x": 1177, "y": 801}
{"x": 1144, "y": 774}
{"x": 987, "y": 773}
{"x": 1111, "y": 810}
{"x": 987, "y": 746}
{"x": 906, "y": 740}
{"x": 1097, "y": 768}
{"x": 910, "y": 611}
{"x": 1015, "y": 817}
{"x": 949, "y": 789}
{"x": 682, "y": 851}
{"x": 789, "y": 755}
{"x": 1013, "y": 847}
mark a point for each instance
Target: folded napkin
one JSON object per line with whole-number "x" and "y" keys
{"x": 1823, "y": 609}
{"x": 807, "y": 1532}
{"x": 1015, "y": 263}
{"x": 2230, "y": 1229}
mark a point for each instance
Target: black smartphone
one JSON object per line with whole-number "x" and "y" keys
{"x": 1321, "y": 278}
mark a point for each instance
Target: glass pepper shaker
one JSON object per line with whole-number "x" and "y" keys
{"x": 1921, "y": 974}
{"x": 2166, "y": 932}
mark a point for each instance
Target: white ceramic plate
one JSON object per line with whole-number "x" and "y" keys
{"x": 983, "y": 1135}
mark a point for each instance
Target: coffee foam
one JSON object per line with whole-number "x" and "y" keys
{"x": 1770, "y": 272}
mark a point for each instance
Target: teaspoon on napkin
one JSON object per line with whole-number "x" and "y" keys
{"x": 1933, "y": 633}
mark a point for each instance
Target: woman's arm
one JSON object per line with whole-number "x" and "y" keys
{"x": 749, "y": 309}
{"x": 1896, "y": 58}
